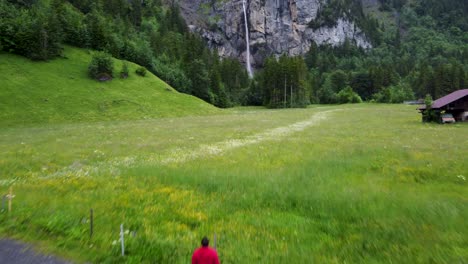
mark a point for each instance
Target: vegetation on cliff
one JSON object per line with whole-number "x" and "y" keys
{"x": 423, "y": 51}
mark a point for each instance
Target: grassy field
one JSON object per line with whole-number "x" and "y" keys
{"x": 341, "y": 184}
{"x": 59, "y": 91}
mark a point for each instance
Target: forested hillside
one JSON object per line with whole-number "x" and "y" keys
{"x": 144, "y": 32}
{"x": 419, "y": 47}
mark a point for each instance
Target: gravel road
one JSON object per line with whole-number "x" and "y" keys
{"x": 13, "y": 252}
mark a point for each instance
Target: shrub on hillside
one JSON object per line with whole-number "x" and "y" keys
{"x": 400, "y": 93}
{"x": 326, "y": 95}
{"x": 141, "y": 71}
{"x": 124, "y": 71}
{"x": 347, "y": 95}
{"x": 394, "y": 94}
{"x": 101, "y": 67}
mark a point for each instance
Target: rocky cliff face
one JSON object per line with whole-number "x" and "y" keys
{"x": 275, "y": 26}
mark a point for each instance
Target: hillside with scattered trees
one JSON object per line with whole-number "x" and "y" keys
{"x": 144, "y": 32}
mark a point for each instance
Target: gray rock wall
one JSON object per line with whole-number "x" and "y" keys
{"x": 275, "y": 26}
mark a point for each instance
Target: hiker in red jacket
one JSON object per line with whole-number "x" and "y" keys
{"x": 205, "y": 254}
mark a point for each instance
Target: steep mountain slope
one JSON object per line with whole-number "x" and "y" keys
{"x": 60, "y": 91}
{"x": 275, "y": 27}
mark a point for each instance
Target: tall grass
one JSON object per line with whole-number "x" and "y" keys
{"x": 370, "y": 183}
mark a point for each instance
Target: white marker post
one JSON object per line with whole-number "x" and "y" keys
{"x": 10, "y": 197}
{"x": 122, "y": 239}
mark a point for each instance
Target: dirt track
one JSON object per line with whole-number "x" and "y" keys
{"x": 13, "y": 252}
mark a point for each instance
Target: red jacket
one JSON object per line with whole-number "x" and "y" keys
{"x": 205, "y": 255}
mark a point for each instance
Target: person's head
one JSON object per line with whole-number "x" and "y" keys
{"x": 205, "y": 241}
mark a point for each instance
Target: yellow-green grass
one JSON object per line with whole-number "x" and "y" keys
{"x": 59, "y": 91}
{"x": 360, "y": 184}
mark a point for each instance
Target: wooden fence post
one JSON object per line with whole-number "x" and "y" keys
{"x": 91, "y": 223}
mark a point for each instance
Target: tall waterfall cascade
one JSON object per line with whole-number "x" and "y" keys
{"x": 249, "y": 67}
{"x": 253, "y": 30}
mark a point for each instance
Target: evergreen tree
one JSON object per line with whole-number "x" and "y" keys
{"x": 311, "y": 56}
{"x": 221, "y": 98}
{"x": 339, "y": 80}
{"x": 197, "y": 72}
{"x": 361, "y": 82}
{"x": 135, "y": 12}
{"x": 74, "y": 29}
{"x": 234, "y": 78}
{"x": 97, "y": 29}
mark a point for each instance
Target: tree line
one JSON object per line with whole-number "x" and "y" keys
{"x": 424, "y": 52}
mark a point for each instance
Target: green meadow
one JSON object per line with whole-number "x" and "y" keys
{"x": 365, "y": 183}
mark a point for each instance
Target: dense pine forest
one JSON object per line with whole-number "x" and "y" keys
{"x": 419, "y": 47}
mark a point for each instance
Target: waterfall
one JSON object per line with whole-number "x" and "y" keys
{"x": 249, "y": 67}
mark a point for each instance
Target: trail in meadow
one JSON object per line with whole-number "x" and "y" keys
{"x": 181, "y": 155}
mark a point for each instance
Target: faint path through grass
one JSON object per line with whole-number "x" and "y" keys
{"x": 181, "y": 155}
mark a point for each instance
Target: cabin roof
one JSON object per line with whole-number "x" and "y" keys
{"x": 450, "y": 98}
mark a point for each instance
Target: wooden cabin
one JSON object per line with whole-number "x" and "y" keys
{"x": 455, "y": 103}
